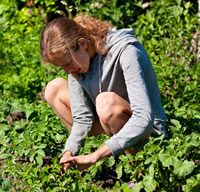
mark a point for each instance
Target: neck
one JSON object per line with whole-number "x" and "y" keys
{"x": 92, "y": 53}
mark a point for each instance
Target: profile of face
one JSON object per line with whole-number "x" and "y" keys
{"x": 77, "y": 61}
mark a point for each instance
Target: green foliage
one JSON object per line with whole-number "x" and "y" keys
{"x": 31, "y": 144}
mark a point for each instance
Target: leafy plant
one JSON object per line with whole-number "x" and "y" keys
{"x": 31, "y": 135}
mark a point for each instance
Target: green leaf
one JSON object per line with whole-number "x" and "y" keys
{"x": 185, "y": 168}
{"x": 93, "y": 170}
{"x": 139, "y": 155}
{"x": 88, "y": 177}
{"x": 39, "y": 160}
{"x": 2, "y": 135}
{"x": 5, "y": 156}
{"x": 152, "y": 159}
{"x": 187, "y": 5}
{"x": 192, "y": 184}
{"x": 167, "y": 160}
{"x": 45, "y": 179}
{"x": 119, "y": 171}
{"x": 41, "y": 152}
{"x": 110, "y": 161}
{"x": 149, "y": 183}
{"x": 6, "y": 185}
{"x": 31, "y": 156}
{"x": 125, "y": 188}
{"x": 137, "y": 187}
{"x": 59, "y": 138}
{"x": 151, "y": 170}
{"x": 176, "y": 123}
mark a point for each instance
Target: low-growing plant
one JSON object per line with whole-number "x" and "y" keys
{"x": 31, "y": 135}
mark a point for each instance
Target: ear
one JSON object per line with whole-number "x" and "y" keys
{"x": 83, "y": 43}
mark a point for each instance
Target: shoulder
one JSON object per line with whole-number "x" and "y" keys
{"x": 134, "y": 56}
{"x": 131, "y": 52}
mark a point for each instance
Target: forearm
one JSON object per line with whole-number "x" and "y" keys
{"x": 85, "y": 161}
{"x": 101, "y": 153}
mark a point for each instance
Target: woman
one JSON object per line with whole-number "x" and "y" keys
{"x": 111, "y": 87}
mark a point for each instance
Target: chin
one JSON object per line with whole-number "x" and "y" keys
{"x": 74, "y": 74}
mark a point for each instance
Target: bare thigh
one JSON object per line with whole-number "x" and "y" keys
{"x": 57, "y": 95}
{"x": 114, "y": 114}
{"x": 96, "y": 127}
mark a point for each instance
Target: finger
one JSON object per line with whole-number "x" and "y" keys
{"x": 66, "y": 166}
{"x": 61, "y": 171}
{"x": 62, "y": 160}
{"x": 67, "y": 160}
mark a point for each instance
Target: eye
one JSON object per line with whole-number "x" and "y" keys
{"x": 68, "y": 62}
{"x": 65, "y": 64}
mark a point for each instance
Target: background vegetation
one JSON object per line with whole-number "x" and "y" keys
{"x": 32, "y": 137}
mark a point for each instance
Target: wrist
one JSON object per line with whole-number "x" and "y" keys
{"x": 102, "y": 152}
{"x": 96, "y": 156}
{"x": 68, "y": 153}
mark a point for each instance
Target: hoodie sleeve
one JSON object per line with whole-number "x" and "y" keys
{"x": 82, "y": 115}
{"x": 134, "y": 62}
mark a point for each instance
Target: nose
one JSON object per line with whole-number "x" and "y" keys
{"x": 67, "y": 69}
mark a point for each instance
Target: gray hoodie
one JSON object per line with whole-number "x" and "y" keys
{"x": 127, "y": 71}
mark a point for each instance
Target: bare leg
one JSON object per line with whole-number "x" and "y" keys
{"x": 57, "y": 95}
{"x": 114, "y": 114}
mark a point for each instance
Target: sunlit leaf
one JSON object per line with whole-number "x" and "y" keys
{"x": 184, "y": 169}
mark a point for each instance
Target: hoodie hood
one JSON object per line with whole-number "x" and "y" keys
{"x": 122, "y": 36}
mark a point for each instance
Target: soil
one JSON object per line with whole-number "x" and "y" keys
{"x": 16, "y": 116}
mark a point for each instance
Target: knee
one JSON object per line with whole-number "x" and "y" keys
{"x": 53, "y": 88}
{"x": 105, "y": 103}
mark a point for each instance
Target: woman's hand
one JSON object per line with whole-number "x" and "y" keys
{"x": 84, "y": 161}
{"x": 64, "y": 161}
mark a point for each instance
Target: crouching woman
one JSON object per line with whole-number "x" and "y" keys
{"x": 111, "y": 87}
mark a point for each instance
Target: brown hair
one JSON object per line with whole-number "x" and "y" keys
{"x": 61, "y": 35}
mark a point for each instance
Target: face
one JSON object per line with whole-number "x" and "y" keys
{"x": 80, "y": 61}
{"x": 77, "y": 61}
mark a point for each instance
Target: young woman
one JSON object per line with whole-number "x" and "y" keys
{"x": 111, "y": 87}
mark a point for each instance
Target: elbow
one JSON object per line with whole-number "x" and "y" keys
{"x": 147, "y": 119}
{"x": 150, "y": 122}
{"x": 151, "y": 117}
